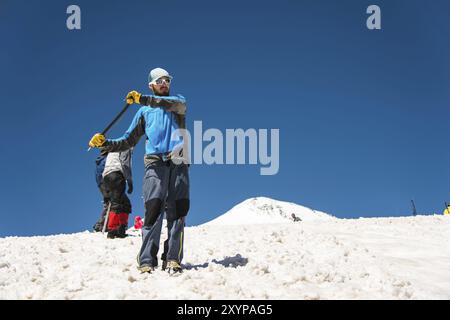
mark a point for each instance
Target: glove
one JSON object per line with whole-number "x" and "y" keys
{"x": 130, "y": 187}
{"x": 133, "y": 97}
{"x": 97, "y": 140}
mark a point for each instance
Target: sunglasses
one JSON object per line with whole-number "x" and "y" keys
{"x": 160, "y": 81}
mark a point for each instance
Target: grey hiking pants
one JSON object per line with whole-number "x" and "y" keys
{"x": 164, "y": 181}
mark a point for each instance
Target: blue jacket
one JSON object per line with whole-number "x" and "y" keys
{"x": 157, "y": 119}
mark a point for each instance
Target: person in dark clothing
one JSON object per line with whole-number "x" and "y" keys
{"x": 113, "y": 173}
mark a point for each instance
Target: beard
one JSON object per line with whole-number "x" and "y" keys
{"x": 162, "y": 92}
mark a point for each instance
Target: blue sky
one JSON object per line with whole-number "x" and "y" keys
{"x": 363, "y": 115}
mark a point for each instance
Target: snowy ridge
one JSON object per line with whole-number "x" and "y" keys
{"x": 262, "y": 210}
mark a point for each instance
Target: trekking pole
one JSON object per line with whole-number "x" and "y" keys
{"x": 114, "y": 121}
{"x": 106, "y": 218}
{"x": 414, "y": 208}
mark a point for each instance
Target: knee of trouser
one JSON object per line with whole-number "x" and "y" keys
{"x": 152, "y": 211}
{"x": 126, "y": 207}
{"x": 182, "y": 207}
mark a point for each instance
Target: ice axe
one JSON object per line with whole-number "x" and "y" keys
{"x": 114, "y": 121}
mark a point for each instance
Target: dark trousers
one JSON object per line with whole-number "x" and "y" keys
{"x": 170, "y": 218}
{"x": 113, "y": 190}
{"x": 164, "y": 181}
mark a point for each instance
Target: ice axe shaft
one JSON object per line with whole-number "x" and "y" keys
{"x": 105, "y": 223}
{"x": 114, "y": 121}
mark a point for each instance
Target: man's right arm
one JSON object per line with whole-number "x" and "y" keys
{"x": 130, "y": 138}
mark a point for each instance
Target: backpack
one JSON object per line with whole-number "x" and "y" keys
{"x": 99, "y": 168}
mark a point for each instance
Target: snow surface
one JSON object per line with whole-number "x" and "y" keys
{"x": 261, "y": 257}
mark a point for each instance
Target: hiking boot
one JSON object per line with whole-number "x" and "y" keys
{"x": 146, "y": 268}
{"x": 118, "y": 233}
{"x": 98, "y": 226}
{"x": 174, "y": 267}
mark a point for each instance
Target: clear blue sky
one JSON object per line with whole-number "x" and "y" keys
{"x": 364, "y": 116}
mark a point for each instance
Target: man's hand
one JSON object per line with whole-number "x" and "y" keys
{"x": 133, "y": 97}
{"x": 97, "y": 140}
{"x": 130, "y": 187}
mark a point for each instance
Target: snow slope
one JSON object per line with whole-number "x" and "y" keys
{"x": 329, "y": 258}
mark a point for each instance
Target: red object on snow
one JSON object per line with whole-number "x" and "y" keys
{"x": 138, "y": 223}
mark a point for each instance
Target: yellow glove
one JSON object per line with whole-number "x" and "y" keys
{"x": 97, "y": 140}
{"x": 133, "y": 97}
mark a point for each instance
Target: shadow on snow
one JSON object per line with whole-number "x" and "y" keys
{"x": 227, "y": 262}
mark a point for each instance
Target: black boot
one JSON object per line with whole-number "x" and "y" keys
{"x": 118, "y": 233}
